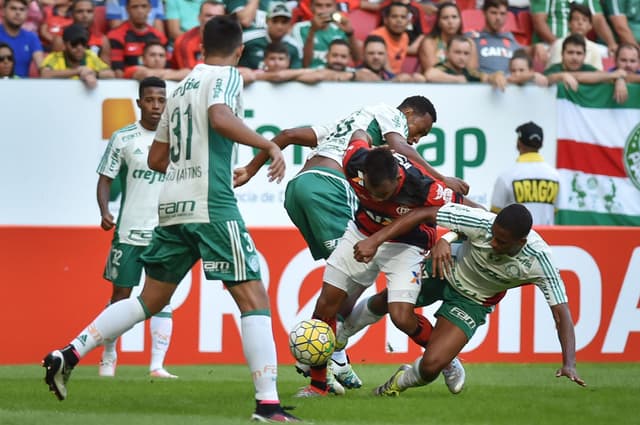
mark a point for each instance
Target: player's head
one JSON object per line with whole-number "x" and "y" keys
{"x": 510, "y": 229}
{"x": 152, "y": 98}
{"x": 222, "y": 37}
{"x": 380, "y": 174}
{"x": 421, "y": 114}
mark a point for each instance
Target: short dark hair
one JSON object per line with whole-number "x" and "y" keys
{"x": 221, "y": 36}
{"x": 516, "y": 219}
{"x": 436, "y": 30}
{"x": 575, "y": 39}
{"x": 4, "y": 45}
{"x": 151, "y": 43}
{"x": 579, "y": 8}
{"x": 462, "y": 39}
{"x": 24, "y": 2}
{"x": 387, "y": 10}
{"x": 626, "y": 46}
{"x": 380, "y": 165}
{"x": 74, "y": 3}
{"x": 421, "y": 105}
{"x": 494, "y": 3}
{"x": 339, "y": 42}
{"x": 212, "y": 2}
{"x": 522, "y": 54}
{"x": 374, "y": 39}
{"x": 276, "y": 47}
{"x": 150, "y": 82}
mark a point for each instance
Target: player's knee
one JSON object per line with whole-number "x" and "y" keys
{"x": 378, "y": 303}
{"x": 431, "y": 366}
{"x": 403, "y": 317}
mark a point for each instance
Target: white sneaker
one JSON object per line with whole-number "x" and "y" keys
{"x": 454, "y": 376}
{"x": 107, "y": 367}
{"x": 303, "y": 369}
{"x": 161, "y": 373}
{"x": 333, "y": 385}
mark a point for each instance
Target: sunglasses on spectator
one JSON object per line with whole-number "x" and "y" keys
{"x": 80, "y": 42}
{"x": 7, "y": 58}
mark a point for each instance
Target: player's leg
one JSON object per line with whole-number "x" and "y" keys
{"x": 161, "y": 327}
{"x": 228, "y": 254}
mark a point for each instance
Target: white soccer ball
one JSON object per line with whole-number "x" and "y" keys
{"x": 312, "y": 342}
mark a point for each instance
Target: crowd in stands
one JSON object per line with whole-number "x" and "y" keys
{"x": 498, "y": 42}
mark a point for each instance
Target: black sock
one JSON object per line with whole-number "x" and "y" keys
{"x": 267, "y": 408}
{"x": 320, "y": 385}
{"x": 70, "y": 355}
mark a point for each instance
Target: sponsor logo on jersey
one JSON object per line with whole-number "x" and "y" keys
{"x": 631, "y": 156}
{"x": 177, "y": 209}
{"x": 190, "y": 84}
{"x": 535, "y": 190}
{"x": 495, "y": 51}
{"x": 462, "y": 315}
{"x": 402, "y": 209}
{"x": 216, "y": 266}
{"x": 137, "y": 235}
{"x": 138, "y": 151}
{"x": 131, "y": 136}
{"x": 443, "y": 193}
{"x": 150, "y": 175}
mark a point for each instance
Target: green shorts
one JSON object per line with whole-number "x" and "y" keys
{"x": 226, "y": 249}
{"x": 320, "y": 203}
{"x": 456, "y": 308}
{"x": 123, "y": 268}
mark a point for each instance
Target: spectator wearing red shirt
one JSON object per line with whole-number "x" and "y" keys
{"x": 128, "y": 40}
{"x": 186, "y": 49}
{"x": 56, "y": 19}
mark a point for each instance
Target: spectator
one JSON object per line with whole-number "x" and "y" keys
{"x": 417, "y": 23}
{"x": 117, "y": 12}
{"x": 374, "y": 65}
{"x": 521, "y": 70}
{"x": 325, "y": 26}
{"x": 25, "y": 44}
{"x": 628, "y": 60}
{"x": 455, "y": 69}
{"x": 154, "y": 64}
{"x": 337, "y": 66}
{"x": 572, "y": 70}
{"x": 56, "y": 19}
{"x": 250, "y": 13}
{"x": 624, "y": 18}
{"x": 82, "y": 12}
{"x": 448, "y": 23}
{"x": 76, "y": 61}
{"x": 35, "y": 16}
{"x": 181, "y": 16}
{"x": 579, "y": 23}
{"x": 186, "y": 49}
{"x": 277, "y": 65}
{"x": 395, "y": 19}
{"x": 128, "y": 40}
{"x": 550, "y": 21}
{"x": 494, "y": 46}
{"x": 7, "y": 62}
{"x": 277, "y": 31}
{"x": 531, "y": 181}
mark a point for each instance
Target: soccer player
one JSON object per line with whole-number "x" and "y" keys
{"x": 126, "y": 158}
{"x": 500, "y": 252}
{"x": 199, "y": 218}
{"x": 319, "y": 200}
{"x": 388, "y": 186}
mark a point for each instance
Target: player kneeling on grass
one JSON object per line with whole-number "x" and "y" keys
{"x": 500, "y": 252}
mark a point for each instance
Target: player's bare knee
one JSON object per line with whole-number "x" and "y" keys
{"x": 403, "y": 317}
{"x": 430, "y": 367}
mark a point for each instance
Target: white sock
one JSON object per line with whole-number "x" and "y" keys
{"x": 161, "y": 328}
{"x": 110, "y": 324}
{"x": 359, "y": 318}
{"x": 260, "y": 351}
{"x": 412, "y": 378}
{"x": 340, "y": 357}
{"x": 110, "y": 352}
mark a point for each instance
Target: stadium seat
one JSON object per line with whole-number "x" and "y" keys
{"x": 608, "y": 63}
{"x": 524, "y": 32}
{"x": 363, "y": 22}
{"x": 410, "y": 64}
{"x": 472, "y": 20}
{"x": 466, "y": 4}
{"x": 100, "y": 20}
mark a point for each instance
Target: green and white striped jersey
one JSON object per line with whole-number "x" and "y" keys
{"x": 126, "y": 157}
{"x": 377, "y": 120}
{"x": 199, "y": 180}
{"x": 481, "y": 275}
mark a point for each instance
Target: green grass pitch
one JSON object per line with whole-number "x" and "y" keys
{"x": 495, "y": 394}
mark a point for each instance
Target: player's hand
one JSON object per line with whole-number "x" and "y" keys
{"x": 456, "y": 184}
{"x": 278, "y": 166}
{"x": 365, "y": 250}
{"x": 572, "y": 374}
{"x": 441, "y": 260}
{"x": 240, "y": 176}
{"x": 107, "y": 222}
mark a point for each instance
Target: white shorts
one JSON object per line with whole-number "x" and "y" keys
{"x": 400, "y": 262}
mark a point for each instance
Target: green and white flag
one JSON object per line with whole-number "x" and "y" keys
{"x": 598, "y": 156}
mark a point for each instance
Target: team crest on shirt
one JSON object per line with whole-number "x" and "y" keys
{"x": 254, "y": 263}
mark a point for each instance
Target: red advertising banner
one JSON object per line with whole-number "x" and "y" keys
{"x": 53, "y": 287}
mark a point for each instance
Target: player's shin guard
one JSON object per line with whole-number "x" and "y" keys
{"x": 260, "y": 351}
{"x": 423, "y": 332}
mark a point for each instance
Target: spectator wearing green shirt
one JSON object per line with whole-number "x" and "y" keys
{"x": 624, "y": 18}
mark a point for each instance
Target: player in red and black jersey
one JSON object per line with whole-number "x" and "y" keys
{"x": 128, "y": 40}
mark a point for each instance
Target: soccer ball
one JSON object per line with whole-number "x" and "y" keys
{"x": 312, "y": 342}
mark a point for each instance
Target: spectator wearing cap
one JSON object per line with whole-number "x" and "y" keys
{"x": 25, "y": 44}
{"x": 187, "y": 51}
{"x": 531, "y": 181}
{"x": 277, "y": 31}
{"x": 76, "y": 61}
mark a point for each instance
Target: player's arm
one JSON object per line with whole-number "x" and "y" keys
{"x": 365, "y": 250}
{"x": 158, "y": 159}
{"x": 567, "y": 337}
{"x": 400, "y": 145}
{"x": 225, "y": 122}
{"x": 102, "y": 193}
